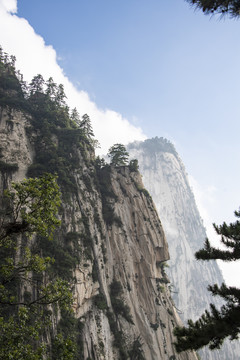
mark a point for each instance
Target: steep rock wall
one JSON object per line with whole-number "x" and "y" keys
{"x": 165, "y": 177}
{"x": 121, "y": 294}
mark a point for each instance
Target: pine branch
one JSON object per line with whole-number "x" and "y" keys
{"x": 213, "y": 327}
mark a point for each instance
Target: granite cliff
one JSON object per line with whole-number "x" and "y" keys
{"x": 165, "y": 177}
{"x": 122, "y": 301}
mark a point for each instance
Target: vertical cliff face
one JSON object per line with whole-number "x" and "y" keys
{"x": 165, "y": 177}
{"x": 121, "y": 291}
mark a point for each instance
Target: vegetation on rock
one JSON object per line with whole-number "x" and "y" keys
{"x": 42, "y": 267}
{"x": 215, "y": 325}
{"x": 118, "y": 155}
{"x": 120, "y": 308}
{"x": 27, "y": 291}
{"x": 153, "y": 146}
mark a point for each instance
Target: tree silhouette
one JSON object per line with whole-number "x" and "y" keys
{"x": 230, "y": 7}
{"x": 215, "y": 325}
{"x": 118, "y": 155}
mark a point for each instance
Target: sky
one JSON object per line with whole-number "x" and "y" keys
{"x": 140, "y": 69}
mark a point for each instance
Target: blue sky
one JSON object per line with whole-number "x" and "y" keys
{"x": 150, "y": 68}
{"x": 168, "y": 69}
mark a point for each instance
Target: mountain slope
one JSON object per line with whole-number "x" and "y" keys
{"x": 165, "y": 177}
{"x": 110, "y": 245}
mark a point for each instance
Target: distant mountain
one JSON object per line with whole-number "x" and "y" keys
{"x": 165, "y": 177}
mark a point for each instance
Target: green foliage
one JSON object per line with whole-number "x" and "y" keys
{"x": 63, "y": 348}
{"x": 36, "y": 85}
{"x": 136, "y": 352}
{"x": 57, "y": 155}
{"x": 153, "y": 146}
{"x": 95, "y": 271}
{"x": 141, "y": 189}
{"x": 109, "y": 215}
{"x": 11, "y": 84}
{"x": 108, "y": 195}
{"x": 75, "y": 117}
{"x": 8, "y": 168}
{"x": 154, "y": 326}
{"x": 116, "y": 288}
{"x": 160, "y": 288}
{"x": 86, "y": 126}
{"x": 87, "y": 239}
{"x": 162, "y": 265}
{"x": 100, "y": 301}
{"x": 87, "y": 182}
{"x": 133, "y": 165}
{"x": 104, "y": 252}
{"x": 222, "y": 7}
{"x": 119, "y": 307}
{"x": 164, "y": 280}
{"x": 230, "y": 237}
{"x": 60, "y": 135}
{"x": 118, "y": 155}
{"x": 34, "y": 206}
{"x": 19, "y": 336}
{"x": 69, "y": 337}
{"x": 29, "y": 207}
{"x": 215, "y": 325}
{"x": 57, "y": 146}
{"x": 66, "y": 254}
{"x": 146, "y": 193}
{"x": 100, "y": 163}
{"x": 119, "y": 339}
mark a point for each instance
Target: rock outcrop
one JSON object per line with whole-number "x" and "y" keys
{"x": 165, "y": 177}
{"x": 121, "y": 293}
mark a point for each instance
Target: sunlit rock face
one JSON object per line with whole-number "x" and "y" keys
{"x": 166, "y": 179}
{"x": 15, "y": 148}
{"x": 121, "y": 292}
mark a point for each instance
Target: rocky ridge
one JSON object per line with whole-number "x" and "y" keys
{"x": 121, "y": 294}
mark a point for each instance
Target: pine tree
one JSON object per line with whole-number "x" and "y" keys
{"x": 60, "y": 96}
{"x": 231, "y": 7}
{"x": 215, "y": 325}
{"x": 36, "y": 85}
{"x": 118, "y": 155}
{"x": 51, "y": 88}
{"x": 75, "y": 117}
{"x": 86, "y": 126}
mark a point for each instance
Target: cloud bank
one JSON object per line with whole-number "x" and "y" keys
{"x": 17, "y": 37}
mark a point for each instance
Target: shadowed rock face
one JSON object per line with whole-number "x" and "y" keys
{"x": 121, "y": 294}
{"x": 165, "y": 177}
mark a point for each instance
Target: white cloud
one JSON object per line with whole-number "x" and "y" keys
{"x": 18, "y": 38}
{"x": 9, "y": 5}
